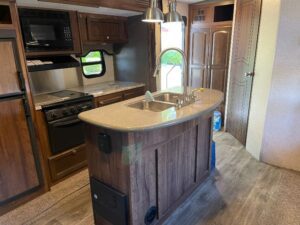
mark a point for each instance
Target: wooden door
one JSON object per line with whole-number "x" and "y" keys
{"x": 199, "y": 53}
{"x": 220, "y": 49}
{"x": 243, "y": 60}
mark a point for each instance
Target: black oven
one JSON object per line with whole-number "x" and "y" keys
{"x": 65, "y": 130}
{"x": 46, "y": 30}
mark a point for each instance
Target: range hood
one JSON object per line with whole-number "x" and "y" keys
{"x": 51, "y": 63}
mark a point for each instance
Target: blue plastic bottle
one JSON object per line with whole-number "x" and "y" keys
{"x": 217, "y": 121}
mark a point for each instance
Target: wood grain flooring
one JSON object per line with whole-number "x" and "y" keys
{"x": 242, "y": 191}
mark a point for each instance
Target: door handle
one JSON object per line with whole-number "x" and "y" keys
{"x": 249, "y": 74}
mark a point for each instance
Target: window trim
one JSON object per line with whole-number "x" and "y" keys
{"x": 102, "y": 63}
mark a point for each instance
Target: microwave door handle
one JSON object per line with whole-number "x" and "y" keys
{"x": 68, "y": 123}
{"x": 37, "y": 44}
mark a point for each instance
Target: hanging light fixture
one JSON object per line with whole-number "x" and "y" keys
{"x": 173, "y": 15}
{"x": 153, "y": 14}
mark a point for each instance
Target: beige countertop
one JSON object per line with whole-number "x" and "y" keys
{"x": 95, "y": 90}
{"x": 120, "y": 117}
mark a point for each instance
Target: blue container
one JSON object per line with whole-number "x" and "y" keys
{"x": 217, "y": 121}
{"x": 213, "y": 156}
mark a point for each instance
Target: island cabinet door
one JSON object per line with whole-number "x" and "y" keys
{"x": 176, "y": 170}
{"x": 204, "y": 134}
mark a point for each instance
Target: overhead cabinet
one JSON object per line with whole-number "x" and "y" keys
{"x": 95, "y": 29}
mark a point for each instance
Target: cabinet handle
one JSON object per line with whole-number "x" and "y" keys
{"x": 107, "y": 37}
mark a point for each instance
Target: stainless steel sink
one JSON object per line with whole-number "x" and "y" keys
{"x": 168, "y": 97}
{"x": 155, "y": 106}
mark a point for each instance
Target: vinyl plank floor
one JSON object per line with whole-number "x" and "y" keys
{"x": 242, "y": 191}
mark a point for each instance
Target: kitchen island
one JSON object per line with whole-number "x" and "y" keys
{"x": 143, "y": 164}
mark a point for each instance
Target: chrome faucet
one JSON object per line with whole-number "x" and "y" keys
{"x": 185, "y": 71}
{"x": 187, "y": 98}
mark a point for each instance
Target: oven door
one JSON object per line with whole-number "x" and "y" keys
{"x": 65, "y": 133}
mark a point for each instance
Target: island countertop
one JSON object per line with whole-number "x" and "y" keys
{"x": 121, "y": 117}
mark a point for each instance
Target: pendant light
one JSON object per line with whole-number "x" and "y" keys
{"x": 173, "y": 15}
{"x": 153, "y": 14}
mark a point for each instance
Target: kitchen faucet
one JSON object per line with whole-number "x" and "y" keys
{"x": 187, "y": 98}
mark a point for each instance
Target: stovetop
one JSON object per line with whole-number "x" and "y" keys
{"x": 59, "y": 97}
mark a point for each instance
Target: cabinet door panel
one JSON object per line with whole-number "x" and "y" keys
{"x": 106, "y": 29}
{"x": 220, "y": 45}
{"x": 203, "y": 148}
{"x": 198, "y": 77}
{"x": 218, "y": 79}
{"x": 18, "y": 172}
{"x": 199, "y": 53}
{"x": 176, "y": 169}
{"x": 9, "y": 79}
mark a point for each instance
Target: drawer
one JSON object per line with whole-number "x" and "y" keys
{"x": 67, "y": 162}
{"x": 108, "y": 99}
{"x": 136, "y": 92}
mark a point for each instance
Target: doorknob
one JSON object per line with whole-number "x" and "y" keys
{"x": 249, "y": 74}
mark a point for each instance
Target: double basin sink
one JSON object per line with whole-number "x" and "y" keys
{"x": 161, "y": 102}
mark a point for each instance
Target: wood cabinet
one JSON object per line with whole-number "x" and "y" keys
{"x": 118, "y": 97}
{"x": 199, "y": 57}
{"x": 134, "y": 5}
{"x": 209, "y": 45}
{"x": 68, "y": 162}
{"x": 157, "y": 170}
{"x": 97, "y": 29}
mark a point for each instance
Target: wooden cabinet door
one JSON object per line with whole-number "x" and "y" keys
{"x": 10, "y": 78}
{"x": 202, "y": 15}
{"x": 18, "y": 172}
{"x": 106, "y": 29}
{"x": 199, "y": 57}
{"x": 176, "y": 169}
{"x": 108, "y": 99}
{"x": 220, "y": 49}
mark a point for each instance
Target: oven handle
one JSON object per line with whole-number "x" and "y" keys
{"x": 68, "y": 123}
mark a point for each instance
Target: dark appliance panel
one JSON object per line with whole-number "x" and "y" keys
{"x": 65, "y": 129}
{"x": 45, "y": 30}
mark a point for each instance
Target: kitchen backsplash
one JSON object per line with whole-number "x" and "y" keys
{"x": 56, "y": 80}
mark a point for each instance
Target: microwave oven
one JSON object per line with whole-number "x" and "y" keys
{"x": 46, "y": 30}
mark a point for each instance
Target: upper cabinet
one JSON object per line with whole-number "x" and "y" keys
{"x": 207, "y": 14}
{"x": 5, "y": 17}
{"x": 134, "y": 5}
{"x": 97, "y": 29}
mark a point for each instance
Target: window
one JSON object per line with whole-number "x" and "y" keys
{"x": 93, "y": 64}
{"x": 172, "y": 35}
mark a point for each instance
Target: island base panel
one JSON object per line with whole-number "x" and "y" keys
{"x": 154, "y": 170}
